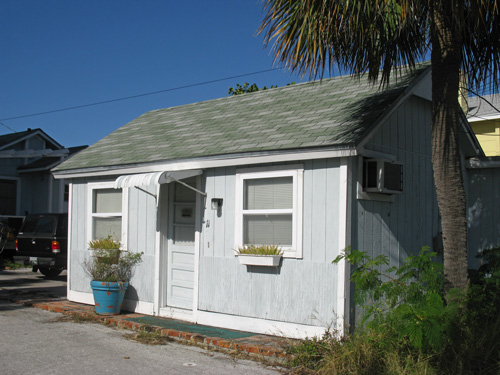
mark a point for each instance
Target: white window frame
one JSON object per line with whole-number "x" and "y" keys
{"x": 297, "y": 174}
{"x": 123, "y": 214}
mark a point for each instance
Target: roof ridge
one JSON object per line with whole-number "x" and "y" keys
{"x": 333, "y": 112}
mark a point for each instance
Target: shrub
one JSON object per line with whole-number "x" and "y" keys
{"x": 109, "y": 263}
{"x": 406, "y": 300}
{"x": 474, "y": 338}
{"x": 408, "y": 326}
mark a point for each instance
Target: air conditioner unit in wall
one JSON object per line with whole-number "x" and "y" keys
{"x": 382, "y": 176}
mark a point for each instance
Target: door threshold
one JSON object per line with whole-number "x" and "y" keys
{"x": 177, "y": 313}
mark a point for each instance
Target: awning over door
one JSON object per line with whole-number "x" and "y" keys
{"x": 145, "y": 179}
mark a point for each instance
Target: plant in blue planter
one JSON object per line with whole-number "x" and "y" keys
{"x": 110, "y": 269}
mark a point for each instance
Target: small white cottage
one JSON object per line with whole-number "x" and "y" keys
{"x": 313, "y": 168}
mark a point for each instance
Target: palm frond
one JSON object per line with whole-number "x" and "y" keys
{"x": 481, "y": 44}
{"x": 317, "y": 36}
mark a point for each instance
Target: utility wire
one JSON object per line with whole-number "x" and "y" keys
{"x": 136, "y": 96}
{"x": 484, "y": 99}
{"x": 5, "y": 126}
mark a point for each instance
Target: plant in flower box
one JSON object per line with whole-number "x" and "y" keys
{"x": 110, "y": 269}
{"x": 260, "y": 255}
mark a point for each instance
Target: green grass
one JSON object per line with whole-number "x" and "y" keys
{"x": 9, "y": 265}
{"x": 260, "y": 250}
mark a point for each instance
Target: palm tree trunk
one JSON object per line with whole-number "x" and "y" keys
{"x": 446, "y": 159}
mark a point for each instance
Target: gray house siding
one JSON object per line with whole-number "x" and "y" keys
{"x": 36, "y": 189}
{"x": 483, "y": 212}
{"x": 402, "y": 227}
{"x": 77, "y": 246}
{"x": 141, "y": 231}
{"x": 142, "y": 238}
{"x": 282, "y": 294}
{"x": 8, "y": 167}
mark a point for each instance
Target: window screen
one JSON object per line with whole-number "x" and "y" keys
{"x": 107, "y": 200}
{"x": 107, "y": 213}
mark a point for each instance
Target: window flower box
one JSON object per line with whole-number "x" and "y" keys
{"x": 260, "y": 260}
{"x": 260, "y": 255}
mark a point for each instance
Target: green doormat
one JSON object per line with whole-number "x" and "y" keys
{"x": 192, "y": 328}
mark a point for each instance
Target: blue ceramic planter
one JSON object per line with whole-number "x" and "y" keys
{"x": 108, "y": 296}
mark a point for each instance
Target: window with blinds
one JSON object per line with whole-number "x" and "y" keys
{"x": 269, "y": 209}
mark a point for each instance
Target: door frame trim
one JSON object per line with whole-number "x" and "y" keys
{"x": 161, "y": 251}
{"x": 197, "y": 239}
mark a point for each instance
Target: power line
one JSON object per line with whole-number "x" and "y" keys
{"x": 5, "y": 126}
{"x": 484, "y": 99}
{"x": 137, "y": 96}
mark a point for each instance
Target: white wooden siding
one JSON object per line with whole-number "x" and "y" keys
{"x": 402, "y": 227}
{"x": 297, "y": 292}
{"x": 141, "y": 234}
{"x": 300, "y": 291}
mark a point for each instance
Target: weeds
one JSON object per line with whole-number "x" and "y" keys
{"x": 148, "y": 338}
{"x": 310, "y": 353}
{"x": 76, "y": 318}
{"x": 408, "y": 327}
{"x": 9, "y": 265}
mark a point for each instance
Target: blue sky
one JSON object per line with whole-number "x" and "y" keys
{"x": 64, "y": 53}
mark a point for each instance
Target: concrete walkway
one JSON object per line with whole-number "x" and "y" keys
{"x": 15, "y": 286}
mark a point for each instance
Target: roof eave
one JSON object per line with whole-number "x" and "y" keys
{"x": 39, "y": 169}
{"x": 407, "y": 92}
{"x": 212, "y": 162}
{"x": 33, "y": 133}
{"x": 483, "y": 117}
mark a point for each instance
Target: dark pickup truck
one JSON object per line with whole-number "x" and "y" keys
{"x": 43, "y": 242}
{"x": 9, "y": 228}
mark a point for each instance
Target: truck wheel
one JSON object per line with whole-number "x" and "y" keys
{"x": 50, "y": 272}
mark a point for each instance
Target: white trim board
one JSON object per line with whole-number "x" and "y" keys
{"x": 70, "y": 235}
{"x": 145, "y": 308}
{"x": 495, "y": 116}
{"x": 297, "y": 174}
{"x": 343, "y": 217}
{"x": 415, "y": 88}
{"x": 263, "y": 326}
{"x": 91, "y": 186}
{"x": 180, "y": 165}
{"x": 80, "y": 297}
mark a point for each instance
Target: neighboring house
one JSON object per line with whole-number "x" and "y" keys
{"x": 484, "y": 177}
{"x": 483, "y": 206}
{"x": 484, "y": 118}
{"x": 299, "y": 166}
{"x": 26, "y": 184}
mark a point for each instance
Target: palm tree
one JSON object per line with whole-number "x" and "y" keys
{"x": 376, "y": 36}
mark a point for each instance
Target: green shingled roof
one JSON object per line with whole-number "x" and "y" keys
{"x": 334, "y": 112}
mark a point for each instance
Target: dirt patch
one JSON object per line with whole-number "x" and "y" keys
{"x": 148, "y": 338}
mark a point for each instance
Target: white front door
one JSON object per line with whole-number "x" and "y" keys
{"x": 181, "y": 245}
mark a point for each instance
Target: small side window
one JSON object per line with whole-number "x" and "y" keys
{"x": 106, "y": 214}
